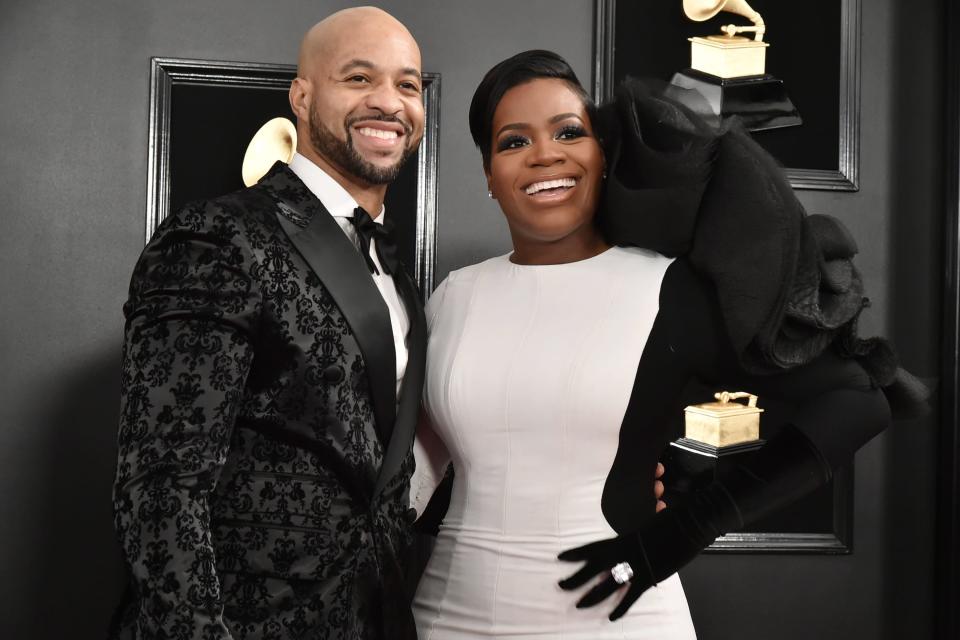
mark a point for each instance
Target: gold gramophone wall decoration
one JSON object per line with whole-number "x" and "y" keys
{"x": 275, "y": 140}
{"x": 729, "y": 69}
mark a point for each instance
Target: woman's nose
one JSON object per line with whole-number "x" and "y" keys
{"x": 546, "y": 154}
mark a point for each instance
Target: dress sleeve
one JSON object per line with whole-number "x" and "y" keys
{"x": 190, "y": 317}
{"x": 835, "y": 403}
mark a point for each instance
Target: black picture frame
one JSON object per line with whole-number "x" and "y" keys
{"x": 804, "y": 531}
{"x": 844, "y": 176}
{"x": 947, "y": 558}
{"x": 203, "y": 107}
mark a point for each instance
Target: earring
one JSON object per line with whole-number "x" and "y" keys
{"x": 490, "y": 193}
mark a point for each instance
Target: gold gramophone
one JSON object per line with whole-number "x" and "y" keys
{"x": 717, "y": 435}
{"x": 275, "y": 140}
{"x": 729, "y": 70}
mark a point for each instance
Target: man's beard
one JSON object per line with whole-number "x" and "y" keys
{"x": 345, "y": 156}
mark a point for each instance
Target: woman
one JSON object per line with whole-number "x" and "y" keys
{"x": 554, "y": 381}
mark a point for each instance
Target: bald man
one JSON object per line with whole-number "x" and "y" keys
{"x": 272, "y": 370}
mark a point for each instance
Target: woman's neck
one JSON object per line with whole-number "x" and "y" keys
{"x": 569, "y": 249}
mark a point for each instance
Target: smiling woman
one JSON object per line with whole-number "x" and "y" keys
{"x": 555, "y": 379}
{"x": 545, "y": 170}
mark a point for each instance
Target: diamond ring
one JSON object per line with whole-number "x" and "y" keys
{"x": 622, "y": 573}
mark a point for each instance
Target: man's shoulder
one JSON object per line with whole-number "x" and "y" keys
{"x": 234, "y": 211}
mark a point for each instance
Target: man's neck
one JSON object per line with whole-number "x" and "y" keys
{"x": 368, "y": 196}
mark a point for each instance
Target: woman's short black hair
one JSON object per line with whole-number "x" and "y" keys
{"x": 516, "y": 70}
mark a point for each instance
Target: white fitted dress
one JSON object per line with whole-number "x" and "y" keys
{"x": 529, "y": 371}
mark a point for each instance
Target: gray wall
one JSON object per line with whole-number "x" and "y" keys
{"x": 73, "y": 118}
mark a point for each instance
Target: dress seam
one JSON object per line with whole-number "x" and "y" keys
{"x": 506, "y": 425}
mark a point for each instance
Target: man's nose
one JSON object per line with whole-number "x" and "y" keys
{"x": 385, "y": 98}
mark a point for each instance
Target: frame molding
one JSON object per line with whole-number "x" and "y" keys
{"x": 847, "y": 175}
{"x": 947, "y": 558}
{"x": 167, "y": 72}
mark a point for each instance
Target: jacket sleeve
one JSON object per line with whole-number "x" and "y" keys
{"x": 187, "y": 352}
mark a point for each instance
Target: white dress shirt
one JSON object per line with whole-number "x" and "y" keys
{"x": 341, "y": 204}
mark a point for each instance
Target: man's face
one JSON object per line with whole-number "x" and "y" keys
{"x": 366, "y": 104}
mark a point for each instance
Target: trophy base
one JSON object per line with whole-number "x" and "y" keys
{"x": 691, "y": 465}
{"x": 761, "y": 102}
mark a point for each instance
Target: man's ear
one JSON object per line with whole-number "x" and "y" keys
{"x": 299, "y": 96}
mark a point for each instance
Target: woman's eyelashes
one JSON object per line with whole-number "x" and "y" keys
{"x": 512, "y": 142}
{"x": 570, "y": 132}
{"x": 566, "y": 132}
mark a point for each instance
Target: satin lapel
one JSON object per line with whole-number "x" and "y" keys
{"x": 344, "y": 273}
{"x": 412, "y": 389}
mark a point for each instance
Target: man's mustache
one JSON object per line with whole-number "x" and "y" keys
{"x": 380, "y": 117}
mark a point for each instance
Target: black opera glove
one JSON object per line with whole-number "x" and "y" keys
{"x": 786, "y": 468}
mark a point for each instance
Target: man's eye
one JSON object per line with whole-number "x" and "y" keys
{"x": 571, "y": 132}
{"x": 357, "y": 79}
{"x": 511, "y": 142}
{"x": 410, "y": 86}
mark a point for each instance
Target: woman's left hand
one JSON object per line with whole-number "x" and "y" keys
{"x": 640, "y": 559}
{"x": 787, "y": 467}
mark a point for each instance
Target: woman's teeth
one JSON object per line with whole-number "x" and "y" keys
{"x": 536, "y": 187}
{"x": 378, "y": 133}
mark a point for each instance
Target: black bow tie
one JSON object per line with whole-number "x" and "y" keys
{"x": 386, "y": 248}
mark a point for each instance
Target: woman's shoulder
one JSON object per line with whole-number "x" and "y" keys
{"x": 462, "y": 279}
{"x": 638, "y": 257}
{"x": 686, "y": 291}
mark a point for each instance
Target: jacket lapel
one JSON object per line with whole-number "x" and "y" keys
{"x": 344, "y": 273}
{"x": 412, "y": 388}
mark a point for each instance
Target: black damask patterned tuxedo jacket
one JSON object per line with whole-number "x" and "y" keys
{"x": 264, "y": 461}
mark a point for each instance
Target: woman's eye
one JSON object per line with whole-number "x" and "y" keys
{"x": 511, "y": 142}
{"x": 571, "y": 132}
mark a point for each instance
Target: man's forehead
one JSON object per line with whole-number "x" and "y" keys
{"x": 382, "y": 56}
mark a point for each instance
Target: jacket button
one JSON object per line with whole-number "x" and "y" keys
{"x": 333, "y": 374}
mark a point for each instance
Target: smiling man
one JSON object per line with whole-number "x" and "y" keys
{"x": 272, "y": 370}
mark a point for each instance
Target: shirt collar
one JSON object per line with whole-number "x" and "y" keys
{"x": 329, "y": 192}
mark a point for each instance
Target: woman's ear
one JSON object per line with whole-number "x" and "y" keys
{"x": 490, "y": 194}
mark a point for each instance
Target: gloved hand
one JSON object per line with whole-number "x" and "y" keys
{"x": 786, "y": 468}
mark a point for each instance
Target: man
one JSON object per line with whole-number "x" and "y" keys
{"x": 272, "y": 375}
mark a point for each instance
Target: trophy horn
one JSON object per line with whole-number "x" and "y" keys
{"x": 700, "y": 10}
{"x": 275, "y": 140}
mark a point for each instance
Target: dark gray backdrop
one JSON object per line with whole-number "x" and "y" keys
{"x": 73, "y": 123}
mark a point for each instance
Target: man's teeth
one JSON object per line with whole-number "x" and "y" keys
{"x": 550, "y": 184}
{"x": 378, "y": 133}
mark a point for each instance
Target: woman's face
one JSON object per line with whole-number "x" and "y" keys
{"x": 545, "y": 166}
